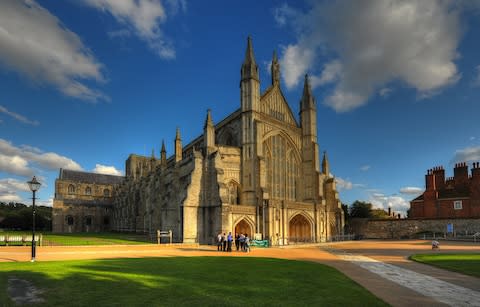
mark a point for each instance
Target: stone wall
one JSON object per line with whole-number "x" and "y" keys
{"x": 411, "y": 228}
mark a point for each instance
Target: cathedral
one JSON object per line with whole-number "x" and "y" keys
{"x": 257, "y": 172}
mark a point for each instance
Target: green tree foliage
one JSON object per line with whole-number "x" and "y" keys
{"x": 17, "y": 216}
{"x": 379, "y": 214}
{"x": 346, "y": 214}
{"x": 361, "y": 209}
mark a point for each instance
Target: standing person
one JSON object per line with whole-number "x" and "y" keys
{"x": 237, "y": 241}
{"x": 229, "y": 242}
{"x": 242, "y": 241}
{"x": 247, "y": 243}
{"x": 219, "y": 241}
{"x": 224, "y": 242}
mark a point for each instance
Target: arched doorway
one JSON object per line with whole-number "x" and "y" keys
{"x": 300, "y": 230}
{"x": 243, "y": 227}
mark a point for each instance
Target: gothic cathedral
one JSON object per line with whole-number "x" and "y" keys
{"x": 256, "y": 172}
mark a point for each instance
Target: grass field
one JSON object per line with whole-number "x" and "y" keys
{"x": 195, "y": 281}
{"x": 468, "y": 264}
{"x": 83, "y": 238}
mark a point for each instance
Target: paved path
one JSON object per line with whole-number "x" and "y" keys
{"x": 381, "y": 267}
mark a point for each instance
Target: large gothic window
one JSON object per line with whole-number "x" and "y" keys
{"x": 282, "y": 168}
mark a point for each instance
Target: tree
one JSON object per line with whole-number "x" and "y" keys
{"x": 361, "y": 209}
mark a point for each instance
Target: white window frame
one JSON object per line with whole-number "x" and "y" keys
{"x": 457, "y": 205}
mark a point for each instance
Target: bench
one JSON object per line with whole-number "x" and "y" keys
{"x": 161, "y": 234}
{"x": 23, "y": 239}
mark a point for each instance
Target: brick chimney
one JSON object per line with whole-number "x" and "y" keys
{"x": 460, "y": 174}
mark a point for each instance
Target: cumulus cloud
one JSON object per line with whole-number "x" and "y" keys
{"x": 37, "y": 45}
{"x": 344, "y": 184}
{"x": 9, "y": 189}
{"x": 468, "y": 154}
{"x": 107, "y": 170}
{"x": 20, "y": 160}
{"x": 18, "y": 117}
{"x": 142, "y": 17}
{"x": 397, "y": 203}
{"x": 373, "y": 43}
{"x": 411, "y": 190}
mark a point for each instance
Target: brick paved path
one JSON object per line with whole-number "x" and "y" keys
{"x": 381, "y": 267}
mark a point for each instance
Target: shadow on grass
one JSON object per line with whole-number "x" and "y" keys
{"x": 188, "y": 281}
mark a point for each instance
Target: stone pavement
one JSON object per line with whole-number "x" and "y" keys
{"x": 381, "y": 267}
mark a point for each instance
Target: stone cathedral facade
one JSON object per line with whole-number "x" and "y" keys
{"x": 257, "y": 171}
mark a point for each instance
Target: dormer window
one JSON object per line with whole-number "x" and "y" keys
{"x": 88, "y": 191}
{"x": 106, "y": 193}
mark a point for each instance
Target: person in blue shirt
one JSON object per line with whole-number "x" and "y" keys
{"x": 229, "y": 242}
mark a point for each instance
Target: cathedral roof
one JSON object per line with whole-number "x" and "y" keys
{"x": 85, "y": 177}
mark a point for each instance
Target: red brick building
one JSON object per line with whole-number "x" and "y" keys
{"x": 457, "y": 196}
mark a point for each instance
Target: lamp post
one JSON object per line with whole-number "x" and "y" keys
{"x": 34, "y": 185}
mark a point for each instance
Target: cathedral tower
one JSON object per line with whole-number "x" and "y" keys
{"x": 308, "y": 122}
{"x": 250, "y": 102}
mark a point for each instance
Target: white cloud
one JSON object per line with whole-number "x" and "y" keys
{"x": 10, "y": 198}
{"x": 18, "y": 117}
{"x": 9, "y": 189}
{"x": 375, "y": 42}
{"x": 468, "y": 154}
{"x": 143, "y": 17}
{"x": 107, "y": 170}
{"x": 397, "y": 203}
{"x": 345, "y": 184}
{"x": 37, "y": 45}
{"x": 14, "y": 165}
{"x": 365, "y": 168}
{"x": 10, "y": 185}
{"x": 411, "y": 190}
{"x": 295, "y": 62}
{"x": 20, "y": 160}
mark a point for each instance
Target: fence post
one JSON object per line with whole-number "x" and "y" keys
{"x": 158, "y": 236}
{"x": 170, "y": 235}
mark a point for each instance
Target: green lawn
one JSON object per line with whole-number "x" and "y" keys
{"x": 468, "y": 264}
{"x": 84, "y": 238}
{"x": 194, "y": 281}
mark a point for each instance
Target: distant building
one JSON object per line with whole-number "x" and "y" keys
{"x": 457, "y": 196}
{"x": 83, "y": 201}
{"x": 257, "y": 171}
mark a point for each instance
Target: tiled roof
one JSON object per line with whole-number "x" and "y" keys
{"x": 86, "y": 177}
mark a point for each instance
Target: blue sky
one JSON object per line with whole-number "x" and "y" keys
{"x": 85, "y": 83}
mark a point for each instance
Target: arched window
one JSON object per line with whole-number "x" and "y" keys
{"x": 233, "y": 193}
{"x": 69, "y": 220}
{"x": 282, "y": 168}
{"x": 106, "y": 193}
{"x": 88, "y": 191}
{"x": 71, "y": 189}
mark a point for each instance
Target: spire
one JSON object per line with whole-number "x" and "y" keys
{"x": 163, "y": 147}
{"x": 163, "y": 155}
{"x": 307, "y": 99}
{"x": 275, "y": 69}
{"x": 178, "y": 146}
{"x": 325, "y": 164}
{"x": 153, "y": 154}
{"x": 249, "y": 66}
{"x": 208, "y": 120}
{"x": 177, "y": 135}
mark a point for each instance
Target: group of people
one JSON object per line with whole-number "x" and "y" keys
{"x": 224, "y": 242}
